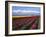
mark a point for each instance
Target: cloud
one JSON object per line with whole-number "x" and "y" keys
{"x": 25, "y": 11}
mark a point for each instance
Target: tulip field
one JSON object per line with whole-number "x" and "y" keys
{"x": 26, "y": 23}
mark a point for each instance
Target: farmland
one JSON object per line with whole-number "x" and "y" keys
{"x": 26, "y": 23}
